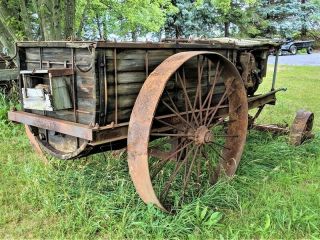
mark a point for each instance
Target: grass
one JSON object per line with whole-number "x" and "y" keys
{"x": 275, "y": 193}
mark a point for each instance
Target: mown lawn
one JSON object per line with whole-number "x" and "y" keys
{"x": 274, "y": 195}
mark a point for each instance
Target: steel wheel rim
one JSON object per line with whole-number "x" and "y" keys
{"x": 141, "y": 122}
{"x": 42, "y": 146}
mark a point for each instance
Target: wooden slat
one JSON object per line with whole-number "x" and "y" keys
{"x": 9, "y": 74}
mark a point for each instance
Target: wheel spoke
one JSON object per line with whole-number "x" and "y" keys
{"x": 185, "y": 99}
{"x": 182, "y": 81}
{"x": 219, "y": 122}
{"x": 186, "y": 180}
{"x": 214, "y": 111}
{"x": 177, "y": 114}
{"x": 210, "y": 94}
{"x": 198, "y": 173}
{"x": 172, "y": 139}
{"x": 159, "y": 165}
{"x": 230, "y": 136}
{"x": 169, "y": 134}
{"x": 220, "y": 145}
{"x": 169, "y": 125}
{"x": 217, "y": 76}
{"x": 217, "y": 152}
{"x": 168, "y": 184}
{"x": 199, "y": 87}
{"x": 171, "y": 100}
{"x": 210, "y": 167}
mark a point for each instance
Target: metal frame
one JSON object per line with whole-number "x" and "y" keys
{"x": 112, "y": 132}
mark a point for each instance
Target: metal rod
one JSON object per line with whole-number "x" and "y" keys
{"x": 40, "y": 66}
{"x": 24, "y": 85}
{"x": 40, "y": 60}
{"x": 105, "y": 87}
{"x": 275, "y": 71}
{"x": 47, "y": 62}
{"x": 147, "y": 63}
{"x": 74, "y": 86}
{"x": 74, "y": 92}
{"x": 115, "y": 84}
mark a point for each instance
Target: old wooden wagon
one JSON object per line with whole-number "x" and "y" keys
{"x": 180, "y": 107}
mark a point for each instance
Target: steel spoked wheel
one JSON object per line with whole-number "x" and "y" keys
{"x": 187, "y": 128}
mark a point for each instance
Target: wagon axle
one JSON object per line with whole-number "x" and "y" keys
{"x": 203, "y": 135}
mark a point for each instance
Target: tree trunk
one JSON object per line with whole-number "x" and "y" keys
{"x": 45, "y": 19}
{"x": 304, "y": 29}
{"x": 82, "y": 20}
{"x": 105, "y": 29}
{"x": 99, "y": 26}
{"x": 56, "y": 18}
{"x": 226, "y": 29}
{"x": 6, "y": 39}
{"x": 134, "y": 36}
{"x": 7, "y": 36}
{"x": 36, "y": 5}
{"x": 69, "y": 10}
{"x": 26, "y": 20}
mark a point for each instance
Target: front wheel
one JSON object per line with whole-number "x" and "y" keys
{"x": 187, "y": 128}
{"x": 309, "y": 50}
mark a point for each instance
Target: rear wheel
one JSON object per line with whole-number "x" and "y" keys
{"x": 199, "y": 129}
{"x": 309, "y": 50}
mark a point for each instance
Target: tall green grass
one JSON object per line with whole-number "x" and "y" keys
{"x": 275, "y": 193}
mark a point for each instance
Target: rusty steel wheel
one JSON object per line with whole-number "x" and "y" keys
{"x": 188, "y": 126}
{"x": 43, "y": 147}
{"x": 33, "y": 141}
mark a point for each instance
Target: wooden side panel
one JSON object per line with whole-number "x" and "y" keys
{"x": 127, "y": 69}
{"x": 84, "y": 88}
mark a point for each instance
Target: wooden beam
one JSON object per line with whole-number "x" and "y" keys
{"x": 52, "y": 124}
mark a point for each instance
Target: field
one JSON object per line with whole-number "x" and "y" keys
{"x": 275, "y": 193}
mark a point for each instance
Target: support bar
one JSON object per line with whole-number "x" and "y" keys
{"x": 52, "y": 124}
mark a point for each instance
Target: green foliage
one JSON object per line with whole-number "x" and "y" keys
{"x": 191, "y": 19}
{"x": 97, "y": 19}
{"x": 139, "y": 17}
{"x": 287, "y": 18}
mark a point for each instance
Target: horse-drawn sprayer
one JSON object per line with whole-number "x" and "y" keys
{"x": 179, "y": 107}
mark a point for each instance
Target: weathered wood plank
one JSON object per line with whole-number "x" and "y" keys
{"x": 9, "y": 74}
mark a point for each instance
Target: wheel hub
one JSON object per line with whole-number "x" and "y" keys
{"x": 203, "y": 135}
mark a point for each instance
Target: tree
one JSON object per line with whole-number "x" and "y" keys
{"x": 309, "y": 16}
{"x": 232, "y": 12}
{"x": 81, "y": 19}
{"x": 193, "y": 18}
